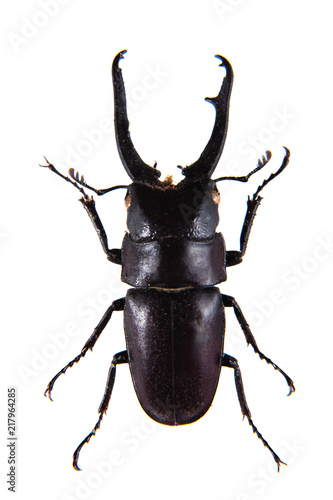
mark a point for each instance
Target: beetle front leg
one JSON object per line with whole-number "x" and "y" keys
{"x": 113, "y": 255}
{"x": 234, "y": 257}
{"x": 119, "y": 358}
{"x": 231, "y": 302}
{"x": 117, "y": 305}
{"x": 231, "y": 362}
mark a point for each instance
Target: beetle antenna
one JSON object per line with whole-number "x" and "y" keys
{"x": 244, "y": 178}
{"x": 274, "y": 174}
{"x": 80, "y": 180}
{"x": 51, "y": 167}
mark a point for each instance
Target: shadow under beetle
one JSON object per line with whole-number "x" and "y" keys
{"x": 174, "y": 318}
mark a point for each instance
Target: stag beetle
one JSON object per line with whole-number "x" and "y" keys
{"x": 174, "y": 317}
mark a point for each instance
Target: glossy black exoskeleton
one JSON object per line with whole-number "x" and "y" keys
{"x": 174, "y": 316}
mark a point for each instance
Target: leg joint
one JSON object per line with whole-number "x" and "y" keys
{"x": 119, "y": 304}
{"x": 120, "y": 358}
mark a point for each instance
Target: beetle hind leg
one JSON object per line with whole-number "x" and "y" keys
{"x": 119, "y": 358}
{"x": 231, "y": 362}
{"x": 229, "y": 301}
{"x": 117, "y": 305}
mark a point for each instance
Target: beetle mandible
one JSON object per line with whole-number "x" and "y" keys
{"x": 174, "y": 318}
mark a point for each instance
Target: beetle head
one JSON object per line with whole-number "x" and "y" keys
{"x": 188, "y": 210}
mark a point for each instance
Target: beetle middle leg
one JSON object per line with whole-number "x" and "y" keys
{"x": 117, "y": 305}
{"x": 119, "y": 358}
{"x": 231, "y": 362}
{"x": 229, "y": 301}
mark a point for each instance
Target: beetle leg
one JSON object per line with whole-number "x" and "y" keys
{"x": 231, "y": 302}
{"x": 119, "y": 358}
{"x": 117, "y": 305}
{"x": 113, "y": 255}
{"x": 234, "y": 257}
{"x": 231, "y": 362}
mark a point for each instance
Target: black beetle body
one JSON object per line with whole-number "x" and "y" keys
{"x": 174, "y": 317}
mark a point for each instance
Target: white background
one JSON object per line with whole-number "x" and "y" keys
{"x": 56, "y": 282}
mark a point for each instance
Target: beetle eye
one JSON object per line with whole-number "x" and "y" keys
{"x": 128, "y": 200}
{"x": 216, "y": 196}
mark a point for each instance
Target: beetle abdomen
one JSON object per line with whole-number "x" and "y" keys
{"x": 174, "y": 341}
